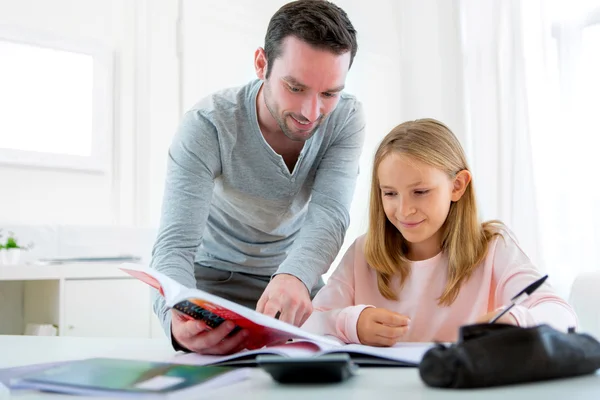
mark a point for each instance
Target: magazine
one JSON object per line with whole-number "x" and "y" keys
{"x": 267, "y": 334}
{"x": 214, "y": 310}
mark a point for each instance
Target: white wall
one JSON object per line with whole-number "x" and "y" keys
{"x": 158, "y": 98}
{"x": 432, "y": 84}
{"x": 408, "y": 66}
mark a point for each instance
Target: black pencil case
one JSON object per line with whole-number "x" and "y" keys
{"x": 488, "y": 355}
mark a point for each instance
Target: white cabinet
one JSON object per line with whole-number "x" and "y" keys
{"x": 94, "y": 300}
{"x": 106, "y": 308}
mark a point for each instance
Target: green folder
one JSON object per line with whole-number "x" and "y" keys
{"x": 120, "y": 377}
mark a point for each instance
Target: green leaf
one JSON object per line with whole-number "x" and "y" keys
{"x": 11, "y": 243}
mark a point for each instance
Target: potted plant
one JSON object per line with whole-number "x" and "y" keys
{"x": 10, "y": 251}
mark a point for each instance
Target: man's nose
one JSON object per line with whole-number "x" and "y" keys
{"x": 312, "y": 108}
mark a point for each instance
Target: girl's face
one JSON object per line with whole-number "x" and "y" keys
{"x": 416, "y": 199}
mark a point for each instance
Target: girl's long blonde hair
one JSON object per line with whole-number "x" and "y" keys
{"x": 465, "y": 239}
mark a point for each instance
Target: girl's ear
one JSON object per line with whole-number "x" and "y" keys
{"x": 461, "y": 182}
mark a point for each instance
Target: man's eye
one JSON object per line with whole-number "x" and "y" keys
{"x": 295, "y": 89}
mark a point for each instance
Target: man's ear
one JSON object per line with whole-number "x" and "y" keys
{"x": 460, "y": 184}
{"x": 260, "y": 63}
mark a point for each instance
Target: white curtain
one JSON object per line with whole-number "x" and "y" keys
{"x": 497, "y": 118}
{"x": 532, "y": 92}
{"x": 563, "y": 48}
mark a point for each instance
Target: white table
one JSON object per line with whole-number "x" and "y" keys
{"x": 378, "y": 383}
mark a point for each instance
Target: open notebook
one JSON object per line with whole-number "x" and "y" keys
{"x": 266, "y": 333}
{"x": 400, "y": 355}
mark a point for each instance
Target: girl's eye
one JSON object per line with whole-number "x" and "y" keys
{"x": 388, "y": 193}
{"x": 421, "y": 192}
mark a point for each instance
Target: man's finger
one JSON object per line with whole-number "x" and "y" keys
{"x": 260, "y": 305}
{"x": 184, "y": 328}
{"x": 303, "y": 314}
{"x": 208, "y": 339}
{"x": 229, "y": 344}
{"x": 289, "y": 314}
{"x": 243, "y": 345}
{"x": 272, "y": 308}
{"x": 179, "y": 316}
{"x": 194, "y": 328}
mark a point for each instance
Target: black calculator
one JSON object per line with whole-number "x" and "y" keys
{"x": 327, "y": 368}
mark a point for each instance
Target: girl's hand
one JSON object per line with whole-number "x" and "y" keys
{"x": 381, "y": 327}
{"x": 505, "y": 319}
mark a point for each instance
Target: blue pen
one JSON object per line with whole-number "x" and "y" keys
{"x": 520, "y": 297}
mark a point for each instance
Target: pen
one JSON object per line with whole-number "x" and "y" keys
{"x": 520, "y": 297}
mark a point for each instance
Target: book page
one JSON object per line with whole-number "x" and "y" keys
{"x": 406, "y": 352}
{"x": 167, "y": 287}
{"x": 300, "y": 348}
{"x": 402, "y": 353}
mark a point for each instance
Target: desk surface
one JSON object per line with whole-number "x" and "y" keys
{"x": 381, "y": 383}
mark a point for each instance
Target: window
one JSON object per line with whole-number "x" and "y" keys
{"x": 55, "y": 102}
{"x": 590, "y": 68}
{"x": 566, "y": 149}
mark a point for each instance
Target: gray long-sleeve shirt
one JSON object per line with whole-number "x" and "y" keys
{"x": 230, "y": 202}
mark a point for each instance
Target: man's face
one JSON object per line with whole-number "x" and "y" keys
{"x": 304, "y": 86}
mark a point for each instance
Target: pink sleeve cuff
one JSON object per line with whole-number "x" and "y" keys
{"x": 347, "y": 321}
{"x": 522, "y": 315}
{"x": 556, "y": 314}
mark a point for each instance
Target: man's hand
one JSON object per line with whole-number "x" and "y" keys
{"x": 381, "y": 327}
{"x": 288, "y": 295}
{"x": 196, "y": 336}
{"x": 505, "y": 319}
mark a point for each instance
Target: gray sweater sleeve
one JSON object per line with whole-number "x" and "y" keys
{"x": 193, "y": 164}
{"x": 328, "y": 216}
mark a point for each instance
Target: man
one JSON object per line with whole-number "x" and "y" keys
{"x": 260, "y": 179}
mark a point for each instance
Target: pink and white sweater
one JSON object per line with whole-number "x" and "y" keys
{"x": 504, "y": 272}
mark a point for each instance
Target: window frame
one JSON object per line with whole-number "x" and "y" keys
{"x": 100, "y": 158}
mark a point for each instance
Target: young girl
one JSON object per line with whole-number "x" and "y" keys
{"x": 427, "y": 265}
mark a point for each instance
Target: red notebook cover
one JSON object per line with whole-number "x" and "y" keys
{"x": 214, "y": 315}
